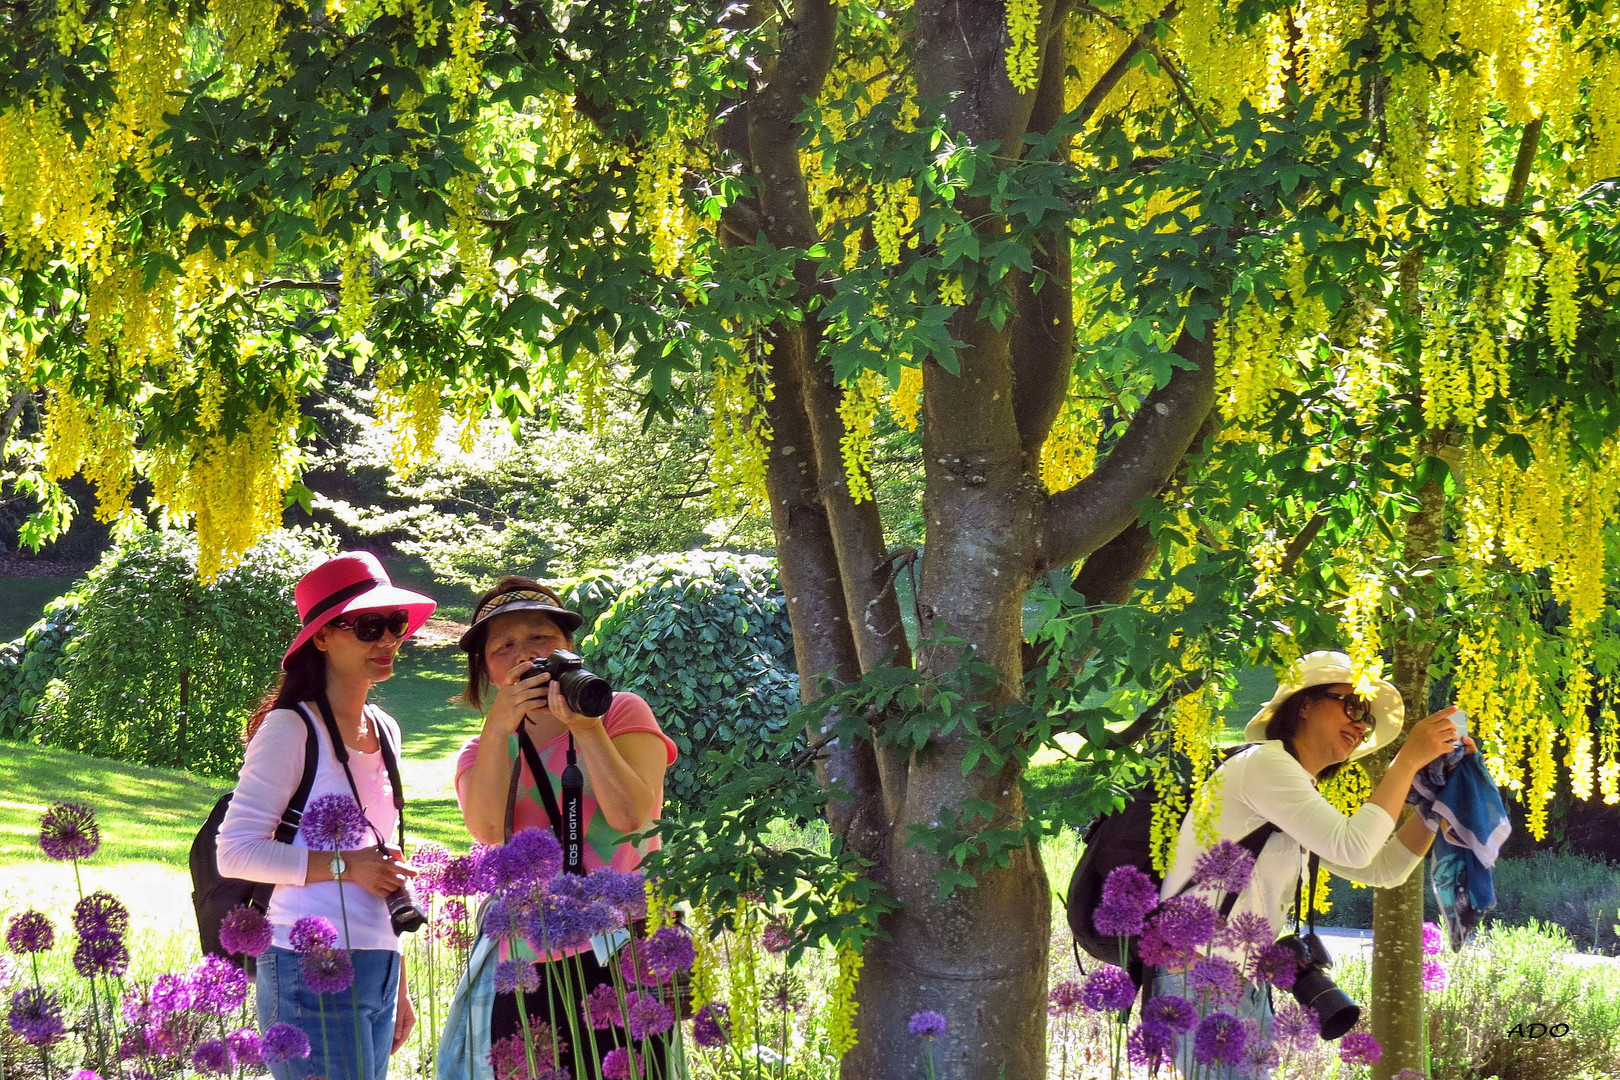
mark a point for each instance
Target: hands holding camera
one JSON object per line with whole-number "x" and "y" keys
{"x": 557, "y": 684}
{"x": 1433, "y": 736}
{"x": 378, "y": 870}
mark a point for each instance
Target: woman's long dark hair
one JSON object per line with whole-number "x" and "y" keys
{"x": 1289, "y": 718}
{"x": 303, "y": 679}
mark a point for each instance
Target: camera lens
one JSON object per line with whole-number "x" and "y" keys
{"x": 1333, "y": 1007}
{"x": 587, "y": 694}
{"x": 403, "y": 914}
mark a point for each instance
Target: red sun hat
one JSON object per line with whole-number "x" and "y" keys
{"x": 351, "y": 581}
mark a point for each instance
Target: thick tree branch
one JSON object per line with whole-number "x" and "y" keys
{"x": 291, "y": 283}
{"x": 1116, "y": 71}
{"x": 1296, "y": 547}
{"x": 1083, "y": 518}
{"x": 1134, "y": 732}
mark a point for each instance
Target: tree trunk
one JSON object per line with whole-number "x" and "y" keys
{"x": 1398, "y": 1011}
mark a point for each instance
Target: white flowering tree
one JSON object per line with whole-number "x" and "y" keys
{"x": 1237, "y": 329}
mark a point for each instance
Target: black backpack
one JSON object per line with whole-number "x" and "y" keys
{"x": 1124, "y": 838}
{"x": 213, "y": 894}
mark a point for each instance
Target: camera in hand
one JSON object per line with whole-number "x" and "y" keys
{"x": 403, "y": 914}
{"x": 1315, "y": 990}
{"x": 586, "y": 692}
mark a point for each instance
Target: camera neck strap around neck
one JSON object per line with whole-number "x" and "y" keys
{"x": 567, "y": 820}
{"x": 1304, "y": 910}
{"x": 390, "y": 764}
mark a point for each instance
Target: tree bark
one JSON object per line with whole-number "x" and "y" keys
{"x": 1397, "y": 968}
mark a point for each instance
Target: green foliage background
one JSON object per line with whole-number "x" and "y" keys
{"x": 165, "y": 670}
{"x": 29, "y": 663}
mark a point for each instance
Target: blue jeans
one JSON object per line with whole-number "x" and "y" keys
{"x": 345, "y": 1044}
{"x": 1256, "y": 1005}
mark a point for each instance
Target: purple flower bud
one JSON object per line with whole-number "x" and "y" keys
{"x": 1148, "y": 1044}
{"x": 1064, "y": 999}
{"x": 95, "y": 956}
{"x": 927, "y": 1025}
{"x": 459, "y": 877}
{"x": 328, "y": 971}
{"x": 68, "y": 830}
{"x": 626, "y": 890}
{"x": 1227, "y": 866}
{"x": 669, "y": 951}
{"x": 1218, "y": 978}
{"x": 1246, "y": 932}
{"x": 1276, "y": 964}
{"x": 171, "y": 994}
{"x": 1129, "y": 890}
{"x": 213, "y": 1057}
{"x": 777, "y": 937}
{"x": 1176, "y": 1015}
{"x": 514, "y": 975}
{"x": 333, "y": 823}
{"x": 246, "y": 1047}
{"x": 219, "y": 987}
{"x": 1296, "y": 1028}
{"x": 711, "y": 1025}
{"x": 1219, "y": 1040}
{"x": 600, "y": 1008}
{"x": 531, "y": 857}
{"x": 648, "y": 1016}
{"x": 1185, "y": 922}
{"x": 1433, "y": 939}
{"x": 1435, "y": 976}
{"x": 36, "y": 1015}
{"x": 313, "y": 934}
{"x": 1108, "y": 989}
{"x": 1360, "y": 1048}
{"x": 1113, "y": 921}
{"x": 30, "y": 932}
{"x": 1157, "y": 952}
{"x": 283, "y": 1042}
{"x": 617, "y": 1064}
{"x": 246, "y": 931}
{"x": 100, "y": 915}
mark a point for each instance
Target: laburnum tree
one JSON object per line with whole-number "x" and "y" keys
{"x": 1231, "y": 331}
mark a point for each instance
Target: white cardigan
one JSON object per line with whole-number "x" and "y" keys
{"x": 1264, "y": 784}
{"x": 247, "y": 847}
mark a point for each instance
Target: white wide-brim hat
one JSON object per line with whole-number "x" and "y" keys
{"x": 1325, "y": 669}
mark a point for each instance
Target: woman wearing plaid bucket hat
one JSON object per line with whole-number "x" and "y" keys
{"x": 1316, "y": 722}
{"x": 354, "y": 620}
{"x": 604, "y": 771}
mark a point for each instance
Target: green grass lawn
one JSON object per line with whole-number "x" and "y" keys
{"x": 26, "y": 597}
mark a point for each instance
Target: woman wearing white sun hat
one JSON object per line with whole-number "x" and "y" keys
{"x": 1312, "y": 726}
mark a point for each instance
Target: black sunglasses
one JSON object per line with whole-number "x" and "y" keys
{"x": 1354, "y": 707}
{"x": 369, "y": 625}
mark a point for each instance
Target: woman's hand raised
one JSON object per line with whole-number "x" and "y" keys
{"x": 1431, "y": 737}
{"x": 515, "y": 698}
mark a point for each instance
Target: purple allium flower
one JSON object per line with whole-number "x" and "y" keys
{"x": 312, "y": 933}
{"x": 1296, "y": 1027}
{"x": 559, "y": 924}
{"x": 283, "y": 1042}
{"x": 328, "y": 971}
{"x": 1247, "y": 932}
{"x": 1109, "y": 988}
{"x": 624, "y": 889}
{"x": 1360, "y": 1048}
{"x": 647, "y": 1015}
{"x": 600, "y": 1008}
{"x": 212, "y": 1057}
{"x": 30, "y": 932}
{"x": 1227, "y": 866}
{"x": 93, "y": 956}
{"x": 1217, "y": 977}
{"x": 7, "y": 972}
{"x": 459, "y": 877}
{"x": 711, "y": 1024}
{"x": 428, "y": 861}
{"x": 1128, "y": 888}
{"x": 245, "y": 930}
{"x": 1433, "y": 939}
{"x": 777, "y": 936}
{"x": 601, "y": 917}
{"x": 100, "y": 915}
{"x": 1157, "y": 952}
{"x": 669, "y": 951}
{"x": 1219, "y": 1040}
{"x": 514, "y": 975}
{"x": 1112, "y": 921}
{"x": 1185, "y": 922}
{"x": 219, "y": 987}
{"x": 1149, "y": 1044}
{"x": 531, "y": 857}
{"x": 68, "y": 830}
{"x": 36, "y": 1015}
{"x": 246, "y": 1047}
{"x": 616, "y": 1065}
{"x": 1064, "y": 998}
{"x": 170, "y": 994}
{"x": 504, "y": 919}
{"x": 927, "y": 1025}
{"x": 633, "y": 966}
{"x": 1277, "y": 965}
{"x": 1435, "y": 976}
{"x": 333, "y": 823}
{"x": 509, "y": 1059}
{"x": 1174, "y": 1014}
{"x": 1259, "y": 1056}
{"x": 84, "y": 1074}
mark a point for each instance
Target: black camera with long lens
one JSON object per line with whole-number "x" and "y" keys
{"x": 403, "y": 914}
{"x": 586, "y": 692}
{"x": 1315, "y": 990}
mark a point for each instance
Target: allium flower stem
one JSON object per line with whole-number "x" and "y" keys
{"x": 354, "y": 994}
{"x": 528, "y": 1037}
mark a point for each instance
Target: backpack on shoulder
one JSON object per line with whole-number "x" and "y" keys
{"x": 213, "y": 894}
{"x": 1124, "y": 838}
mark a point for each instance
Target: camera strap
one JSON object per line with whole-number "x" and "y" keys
{"x": 390, "y": 765}
{"x": 565, "y": 820}
{"x": 1303, "y": 908}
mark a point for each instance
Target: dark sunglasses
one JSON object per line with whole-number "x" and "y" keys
{"x": 369, "y": 625}
{"x": 1354, "y": 708}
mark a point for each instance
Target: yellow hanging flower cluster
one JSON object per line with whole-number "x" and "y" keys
{"x": 252, "y": 31}
{"x": 739, "y": 428}
{"x": 1361, "y": 622}
{"x": 857, "y": 408}
{"x": 1562, "y": 267}
{"x": 843, "y": 1006}
{"x": 1023, "y": 44}
{"x": 590, "y": 376}
{"x": 99, "y": 441}
{"x": 1348, "y": 788}
{"x": 354, "y": 290}
{"x": 1070, "y": 450}
{"x": 905, "y": 403}
{"x": 661, "y": 198}
{"x": 1252, "y": 361}
{"x": 1228, "y": 65}
{"x": 464, "y": 70}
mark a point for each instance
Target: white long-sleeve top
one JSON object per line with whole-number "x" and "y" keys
{"x": 247, "y": 847}
{"x": 1265, "y": 783}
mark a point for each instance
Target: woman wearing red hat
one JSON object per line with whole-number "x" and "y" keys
{"x": 354, "y": 621}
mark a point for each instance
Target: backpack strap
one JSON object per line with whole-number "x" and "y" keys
{"x": 287, "y": 827}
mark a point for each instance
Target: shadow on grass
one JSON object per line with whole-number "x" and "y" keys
{"x": 419, "y": 698}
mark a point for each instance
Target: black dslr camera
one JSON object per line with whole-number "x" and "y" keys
{"x": 403, "y": 914}
{"x": 1315, "y": 990}
{"x": 586, "y": 692}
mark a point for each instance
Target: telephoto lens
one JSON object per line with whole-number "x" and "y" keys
{"x": 586, "y": 692}
{"x": 403, "y": 914}
{"x": 1315, "y": 990}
